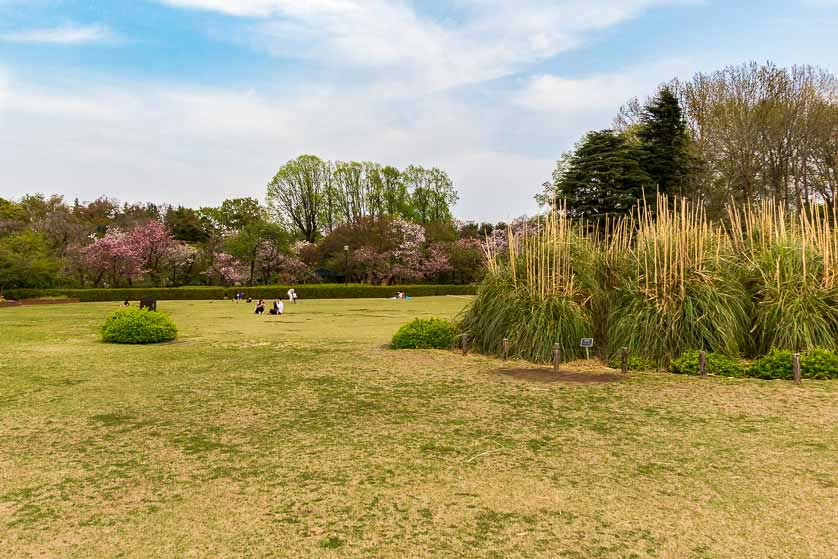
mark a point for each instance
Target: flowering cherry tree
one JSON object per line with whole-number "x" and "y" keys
{"x": 374, "y": 264}
{"x": 156, "y": 245}
{"x": 436, "y": 261}
{"x": 405, "y": 257}
{"x": 115, "y": 256}
{"x": 180, "y": 258}
{"x": 227, "y": 269}
{"x": 293, "y": 270}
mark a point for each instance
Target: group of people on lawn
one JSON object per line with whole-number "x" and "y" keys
{"x": 278, "y": 307}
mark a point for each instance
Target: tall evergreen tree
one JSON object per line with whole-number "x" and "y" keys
{"x": 664, "y": 141}
{"x": 602, "y": 177}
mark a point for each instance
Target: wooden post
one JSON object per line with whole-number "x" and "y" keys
{"x": 557, "y": 357}
{"x": 465, "y": 344}
{"x": 702, "y": 363}
{"x": 505, "y": 349}
{"x": 625, "y": 360}
{"x": 795, "y": 363}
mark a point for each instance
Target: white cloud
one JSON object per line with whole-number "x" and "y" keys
{"x": 70, "y": 34}
{"x": 407, "y": 53}
{"x": 198, "y": 146}
{"x": 596, "y": 93}
{"x": 386, "y": 95}
{"x": 264, "y": 8}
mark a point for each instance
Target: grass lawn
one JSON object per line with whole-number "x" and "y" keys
{"x": 305, "y": 437}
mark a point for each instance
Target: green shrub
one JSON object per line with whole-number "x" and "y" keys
{"x": 819, "y": 364}
{"x": 431, "y": 333}
{"x": 138, "y": 326}
{"x": 198, "y": 293}
{"x": 717, "y": 364}
{"x": 635, "y": 363}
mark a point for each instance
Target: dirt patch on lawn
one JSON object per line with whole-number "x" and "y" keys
{"x": 550, "y": 376}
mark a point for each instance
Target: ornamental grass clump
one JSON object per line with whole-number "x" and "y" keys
{"x": 537, "y": 293}
{"x": 138, "y": 326}
{"x": 790, "y": 265}
{"x": 662, "y": 282}
{"x": 680, "y": 289}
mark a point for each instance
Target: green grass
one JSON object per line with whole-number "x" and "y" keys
{"x": 304, "y": 436}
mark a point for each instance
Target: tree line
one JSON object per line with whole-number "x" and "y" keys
{"x": 323, "y": 221}
{"x": 744, "y": 134}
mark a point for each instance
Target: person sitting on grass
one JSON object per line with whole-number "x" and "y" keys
{"x": 260, "y": 307}
{"x": 278, "y": 307}
{"x": 125, "y": 303}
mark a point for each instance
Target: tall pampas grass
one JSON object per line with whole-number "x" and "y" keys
{"x": 790, "y": 264}
{"x": 538, "y": 292}
{"x": 680, "y": 290}
{"x": 662, "y": 282}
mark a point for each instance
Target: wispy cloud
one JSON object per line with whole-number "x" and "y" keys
{"x": 402, "y": 50}
{"x": 557, "y": 94}
{"x": 70, "y": 34}
{"x": 201, "y": 145}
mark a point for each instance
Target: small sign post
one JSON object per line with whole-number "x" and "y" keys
{"x": 587, "y": 343}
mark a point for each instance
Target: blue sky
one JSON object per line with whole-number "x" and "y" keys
{"x": 192, "y": 101}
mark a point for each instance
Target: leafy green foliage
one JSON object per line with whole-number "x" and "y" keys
{"x": 717, "y": 364}
{"x": 815, "y": 364}
{"x": 25, "y": 261}
{"x": 138, "y": 326}
{"x": 819, "y": 364}
{"x": 430, "y": 333}
{"x": 635, "y": 362}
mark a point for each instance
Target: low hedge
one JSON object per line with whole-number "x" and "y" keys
{"x": 635, "y": 363}
{"x": 818, "y": 364}
{"x": 717, "y": 364}
{"x": 312, "y": 291}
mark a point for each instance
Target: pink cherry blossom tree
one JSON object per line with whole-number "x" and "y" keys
{"x": 115, "y": 256}
{"x": 155, "y": 243}
{"x": 436, "y": 260}
{"x": 227, "y": 270}
{"x": 180, "y": 259}
{"x": 405, "y": 257}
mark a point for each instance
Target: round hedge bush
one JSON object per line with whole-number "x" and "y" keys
{"x": 429, "y": 333}
{"x": 138, "y": 326}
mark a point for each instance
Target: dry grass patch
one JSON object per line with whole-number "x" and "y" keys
{"x": 307, "y": 438}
